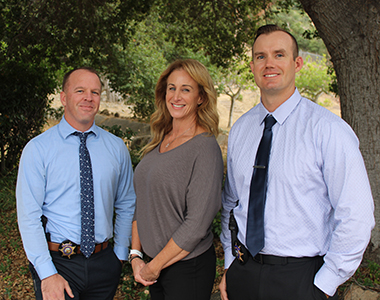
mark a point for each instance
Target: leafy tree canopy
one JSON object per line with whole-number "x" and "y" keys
{"x": 37, "y": 39}
{"x": 290, "y": 15}
{"x": 64, "y": 31}
{"x": 219, "y": 28}
{"x": 313, "y": 79}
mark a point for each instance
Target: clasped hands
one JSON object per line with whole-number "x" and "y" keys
{"x": 144, "y": 273}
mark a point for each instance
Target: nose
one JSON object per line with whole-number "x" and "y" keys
{"x": 177, "y": 95}
{"x": 88, "y": 96}
{"x": 269, "y": 62}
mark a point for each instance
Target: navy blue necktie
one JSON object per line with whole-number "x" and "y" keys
{"x": 258, "y": 191}
{"x": 87, "y": 244}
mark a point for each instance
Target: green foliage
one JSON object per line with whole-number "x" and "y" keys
{"x": 65, "y": 31}
{"x": 8, "y": 233}
{"x": 143, "y": 60}
{"x": 23, "y": 104}
{"x": 368, "y": 276}
{"x": 218, "y": 28}
{"x": 39, "y": 38}
{"x": 217, "y": 225}
{"x": 233, "y": 80}
{"x": 333, "y": 86}
{"x": 54, "y": 113}
{"x": 139, "y": 65}
{"x": 290, "y": 15}
{"x": 126, "y": 135}
{"x": 130, "y": 288}
{"x": 313, "y": 79}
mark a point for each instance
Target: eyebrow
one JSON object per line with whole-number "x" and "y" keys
{"x": 187, "y": 85}
{"x": 82, "y": 88}
{"x": 282, "y": 50}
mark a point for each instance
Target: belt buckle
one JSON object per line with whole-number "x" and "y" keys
{"x": 67, "y": 248}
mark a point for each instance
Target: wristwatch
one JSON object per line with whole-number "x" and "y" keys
{"x": 134, "y": 252}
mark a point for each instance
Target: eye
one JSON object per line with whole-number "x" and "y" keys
{"x": 186, "y": 90}
{"x": 95, "y": 93}
{"x": 259, "y": 57}
{"x": 171, "y": 88}
{"x": 280, "y": 55}
{"x": 79, "y": 91}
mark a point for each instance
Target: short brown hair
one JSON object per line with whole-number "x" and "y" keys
{"x": 267, "y": 29}
{"x": 67, "y": 75}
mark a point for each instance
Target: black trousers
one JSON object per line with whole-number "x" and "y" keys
{"x": 95, "y": 278}
{"x": 256, "y": 281}
{"x": 191, "y": 279}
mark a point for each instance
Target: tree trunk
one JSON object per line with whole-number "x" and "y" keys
{"x": 350, "y": 30}
{"x": 230, "y": 119}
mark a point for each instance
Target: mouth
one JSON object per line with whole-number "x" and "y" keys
{"x": 87, "y": 107}
{"x": 270, "y": 75}
{"x": 178, "y": 105}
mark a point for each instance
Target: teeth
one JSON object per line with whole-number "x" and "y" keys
{"x": 271, "y": 75}
{"x": 178, "y": 105}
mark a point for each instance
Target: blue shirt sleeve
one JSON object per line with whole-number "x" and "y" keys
{"x": 124, "y": 208}
{"x": 30, "y": 192}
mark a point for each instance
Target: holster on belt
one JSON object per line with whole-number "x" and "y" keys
{"x": 44, "y": 221}
{"x": 238, "y": 249}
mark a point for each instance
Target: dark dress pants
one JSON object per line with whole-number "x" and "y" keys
{"x": 191, "y": 279}
{"x": 255, "y": 281}
{"x": 93, "y": 278}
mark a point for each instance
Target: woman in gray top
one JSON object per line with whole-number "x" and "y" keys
{"x": 178, "y": 187}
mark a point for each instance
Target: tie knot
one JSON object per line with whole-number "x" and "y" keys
{"x": 269, "y": 122}
{"x": 82, "y": 135}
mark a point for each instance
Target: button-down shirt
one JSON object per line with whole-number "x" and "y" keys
{"x": 48, "y": 184}
{"x": 319, "y": 200}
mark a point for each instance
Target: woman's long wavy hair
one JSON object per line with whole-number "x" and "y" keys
{"x": 207, "y": 113}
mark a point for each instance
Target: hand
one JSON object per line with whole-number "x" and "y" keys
{"x": 148, "y": 274}
{"x": 137, "y": 265}
{"x": 54, "y": 287}
{"x": 223, "y": 287}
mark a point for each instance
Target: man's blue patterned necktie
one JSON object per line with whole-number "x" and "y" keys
{"x": 258, "y": 192}
{"x": 87, "y": 244}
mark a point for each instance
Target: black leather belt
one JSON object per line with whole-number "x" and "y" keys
{"x": 279, "y": 260}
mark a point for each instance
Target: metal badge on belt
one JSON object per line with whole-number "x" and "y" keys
{"x": 240, "y": 252}
{"x": 67, "y": 248}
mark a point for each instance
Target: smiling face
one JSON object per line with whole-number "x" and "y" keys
{"x": 274, "y": 66}
{"x": 182, "y": 96}
{"x": 81, "y": 99}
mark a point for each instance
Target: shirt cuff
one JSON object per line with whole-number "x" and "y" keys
{"x": 46, "y": 270}
{"x": 121, "y": 252}
{"x": 327, "y": 281}
{"x": 228, "y": 258}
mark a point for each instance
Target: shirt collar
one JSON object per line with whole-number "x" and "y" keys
{"x": 283, "y": 111}
{"x": 66, "y": 129}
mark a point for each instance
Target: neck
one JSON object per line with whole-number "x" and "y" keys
{"x": 180, "y": 126}
{"x": 272, "y": 101}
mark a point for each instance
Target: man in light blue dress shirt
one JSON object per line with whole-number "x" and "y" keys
{"x": 319, "y": 209}
{"x": 48, "y": 185}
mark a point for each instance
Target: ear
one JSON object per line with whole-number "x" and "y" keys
{"x": 200, "y": 101}
{"x": 251, "y": 65}
{"x": 299, "y": 63}
{"x": 62, "y": 95}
